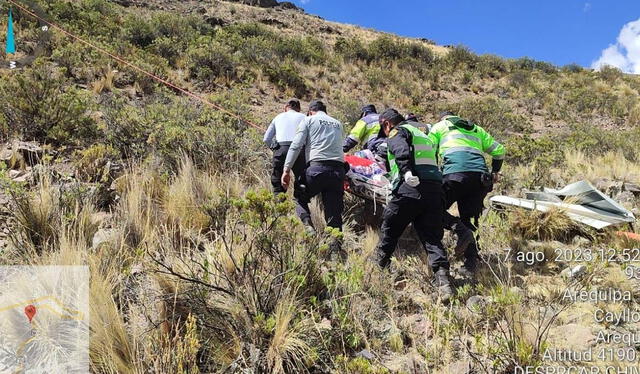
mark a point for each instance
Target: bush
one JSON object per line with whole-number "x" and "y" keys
{"x": 40, "y": 105}
{"x": 285, "y": 76}
{"x": 494, "y": 114}
{"x": 461, "y": 56}
{"x": 610, "y": 74}
{"x": 351, "y": 49}
{"x": 209, "y": 62}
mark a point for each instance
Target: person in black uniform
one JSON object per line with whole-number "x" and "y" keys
{"x": 418, "y": 197}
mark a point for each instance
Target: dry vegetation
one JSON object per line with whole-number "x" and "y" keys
{"x": 196, "y": 268}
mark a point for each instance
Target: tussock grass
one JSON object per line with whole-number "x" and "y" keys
{"x": 554, "y": 224}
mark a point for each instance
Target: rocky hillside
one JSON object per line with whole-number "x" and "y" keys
{"x": 196, "y": 268}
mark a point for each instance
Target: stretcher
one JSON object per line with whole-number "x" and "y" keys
{"x": 366, "y": 179}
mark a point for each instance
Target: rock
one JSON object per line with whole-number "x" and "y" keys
{"x": 215, "y": 21}
{"x": 572, "y": 337}
{"x": 412, "y": 362}
{"x": 631, "y": 187}
{"x": 517, "y": 291}
{"x": 6, "y": 155}
{"x": 366, "y": 354}
{"x": 31, "y": 152}
{"x": 13, "y": 174}
{"x": 581, "y": 242}
{"x": 574, "y": 272}
{"x": 625, "y": 198}
{"x": 400, "y": 285}
{"x": 325, "y": 324}
{"x": 477, "y": 303}
{"x": 417, "y": 326}
{"x": 24, "y": 178}
{"x": 258, "y": 3}
{"x": 101, "y": 236}
{"x": 460, "y": 367}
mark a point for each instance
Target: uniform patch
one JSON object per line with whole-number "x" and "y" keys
{"x": 393, "y": 133}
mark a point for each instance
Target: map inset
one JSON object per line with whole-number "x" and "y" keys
{"x": 44, "y": 319}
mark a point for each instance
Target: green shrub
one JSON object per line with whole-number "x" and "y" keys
{"x": 91, "y": 163}
{"x": 492, "y": 66}
{"x": 461, "y": 56}
{"x": 610, "y": 74}
{"x": 285, "y": 76}
{"x": 40, "y": 104}
{"x": 138, "y": 31}
{"x": 351, "y": 49}
{"x": 492, "y": 113}
{"x": 210, "y": 61}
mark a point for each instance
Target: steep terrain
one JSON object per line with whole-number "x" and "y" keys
{"x": 195, "y": 267}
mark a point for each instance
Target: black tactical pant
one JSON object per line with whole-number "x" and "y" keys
{"x": 299, "y": 184}
{"x": 326, "y": 178}
{"x": 469, "y": 192}
{"x": 426, "y": 215}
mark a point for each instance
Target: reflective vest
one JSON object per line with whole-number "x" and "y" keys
{"x": 424, "y": 163}
{"x": 366, "y": 129}
{"x": 462, "y": 145}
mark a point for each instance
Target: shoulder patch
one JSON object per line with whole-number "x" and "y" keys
{"x": 393, "y": 133}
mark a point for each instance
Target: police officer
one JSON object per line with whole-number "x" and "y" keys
{"x": 321, "y": 137}
{"x": 417, "y": 195}
{"x": 279, "y": 136}
{"x": 467, "y": 179}
{"x": 366, "y": 131}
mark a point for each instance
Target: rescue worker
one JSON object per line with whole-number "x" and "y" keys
{"x": 466, "y": 177}
{"x": 279, "y": 136}
{"x": 320, "y": 136}
{"x": 417, "y": 196}
{"x": 366, "y": 130}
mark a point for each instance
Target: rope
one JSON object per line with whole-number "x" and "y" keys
{"x": 129, "y": 64}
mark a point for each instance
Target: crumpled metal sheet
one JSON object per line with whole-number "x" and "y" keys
{"x": 581, "y": 201}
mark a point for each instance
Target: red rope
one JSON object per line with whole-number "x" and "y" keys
{"x": 127, "y": 63}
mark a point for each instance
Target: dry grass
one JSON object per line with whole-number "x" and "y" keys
{"x": 554, "y": 224}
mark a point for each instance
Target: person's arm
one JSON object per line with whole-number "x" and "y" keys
{"x": 297, "y": 144}
{"x": 355, "y": 136}
{"x": 269, "y": 134}
{"x": 496, "y": 150}
{"x": 399, "y": 145}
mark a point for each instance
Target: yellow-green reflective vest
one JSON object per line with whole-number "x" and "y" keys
{"x": 462, "y": 145}
{"x": 425, "y": 163}
{"x": 366, "y": 129}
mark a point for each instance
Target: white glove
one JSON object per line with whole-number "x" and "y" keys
{"x": 411, "y": 179}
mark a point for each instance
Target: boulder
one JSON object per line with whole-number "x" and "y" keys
{"x": 366, "y": 354}
{"x": 418, "y": 326}
{"x": 574, "y": 272}
{"x": 31, "y": 152}
{"x": 412, "y": 362}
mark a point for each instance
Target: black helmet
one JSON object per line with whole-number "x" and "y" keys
{"x": 412, "y": 117}
{"x": 368, "y": 109}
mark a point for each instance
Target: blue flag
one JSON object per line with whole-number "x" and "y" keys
{"x": 11, "y": 43}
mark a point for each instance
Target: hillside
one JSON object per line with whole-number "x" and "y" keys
{"x": 196, "y": 268}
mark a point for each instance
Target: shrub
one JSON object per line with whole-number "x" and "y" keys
{"x": 91, "y": 163}
{"x": 351, "y": 49}
{"x": 492, "y": 66}
{"x": 494, "y": 114}
{"x": 138, "y": 31}
{"x": 461, "y": 56}
{"x": 610, "y": 74}
{"x": 209, "y": 62}
{"x": 39, "y": 104}
{"x": 286, "y": 76}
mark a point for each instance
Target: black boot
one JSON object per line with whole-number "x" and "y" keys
{"x": 465, "y": 238}
{"x": 443, "y": 283}
{"x": 383, "y": 259}
{"x": 470, "y": 267}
